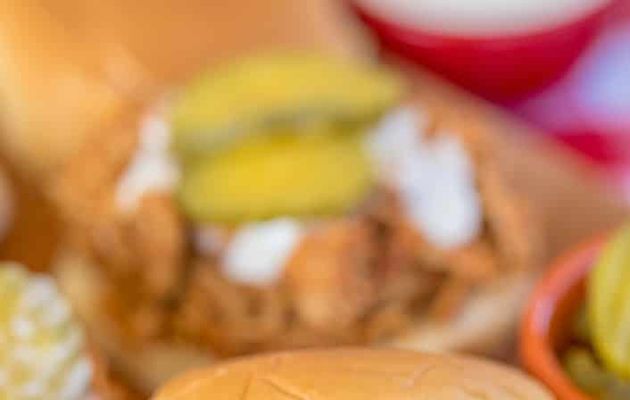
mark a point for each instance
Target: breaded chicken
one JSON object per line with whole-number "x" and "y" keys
{"x": 354, "y": 279}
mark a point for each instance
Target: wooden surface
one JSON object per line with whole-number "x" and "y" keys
{"x": 140, "y": 47}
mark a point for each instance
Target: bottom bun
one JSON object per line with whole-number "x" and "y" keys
{"x": 348, "y": 374}
{"x": 486, "y": 325}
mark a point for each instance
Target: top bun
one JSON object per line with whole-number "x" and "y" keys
{"x": 70, "y": 67}
{"x": 349, "y": 374}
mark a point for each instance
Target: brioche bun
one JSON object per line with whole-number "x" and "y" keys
{"x": 346, "y": 374}
{"x": 51, "y": 89}
{"x": 68, "y": 66}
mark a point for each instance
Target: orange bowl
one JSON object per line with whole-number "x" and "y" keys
{"x": 546, "y": 324}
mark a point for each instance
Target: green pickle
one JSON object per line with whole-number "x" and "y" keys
{"x": 41, "y": 345}
{"x": 279, "y": 174}
{"x": 581, "y": 328}
{"x": 278, "y": 135}
{"x": 600, "y": 362}
{"x": 588, "y": 374}
{"x": 585, "y": 372}
{"x": 609, "y": 305}
{"x": 264, "y": 93}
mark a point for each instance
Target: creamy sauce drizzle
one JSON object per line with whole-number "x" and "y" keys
{"x": 258, "y": 253}
{"x": 434, "y": 178}
{"x": 152, "y": 169}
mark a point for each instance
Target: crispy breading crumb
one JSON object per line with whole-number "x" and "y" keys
{"x": 331, "y": 278}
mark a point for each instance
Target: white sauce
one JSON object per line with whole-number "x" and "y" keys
{"x": 482, "y": 17}
{"x": 258, "y": 253}
{"x": 434, "y": 178}
{"x": 152, "y": 169}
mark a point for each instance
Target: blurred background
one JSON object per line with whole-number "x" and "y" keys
{"x": 577, "y": 93}
{"x": 588, "y": 107}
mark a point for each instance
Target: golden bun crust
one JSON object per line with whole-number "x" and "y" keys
{"x": 52, "y": 89}
{"x": 349, "y": 374}
{"x": 176, "y": 37}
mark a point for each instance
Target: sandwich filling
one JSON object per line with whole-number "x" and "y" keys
{"x": 433, "y": 178}
{"x": 276, "y": 206}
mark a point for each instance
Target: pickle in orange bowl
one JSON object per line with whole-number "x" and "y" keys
{"x": 574, "y": 331}
{"x": 609, "y": 304}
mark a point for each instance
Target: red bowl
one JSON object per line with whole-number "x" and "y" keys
{"x": 549, "y": 314}
{"x": 498, "y": 67}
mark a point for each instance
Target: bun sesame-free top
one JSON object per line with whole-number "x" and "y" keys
{"x": 349, "y": 374}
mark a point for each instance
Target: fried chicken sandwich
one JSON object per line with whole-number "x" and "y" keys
{"x": 290, "y": 200}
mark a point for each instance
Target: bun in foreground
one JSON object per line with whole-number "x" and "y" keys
{"x": 348, "y": 374}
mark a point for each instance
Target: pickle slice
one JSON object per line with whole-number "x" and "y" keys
{"x": 276, "y": 175}
{"x": 609, "y": 304}
{"x": 282, "y": 90}
{"x": 581, "y": 327}
{"x": 589, "y": 375}
{"x": 585, "y": 372}
{"x": 41, "y": 345}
